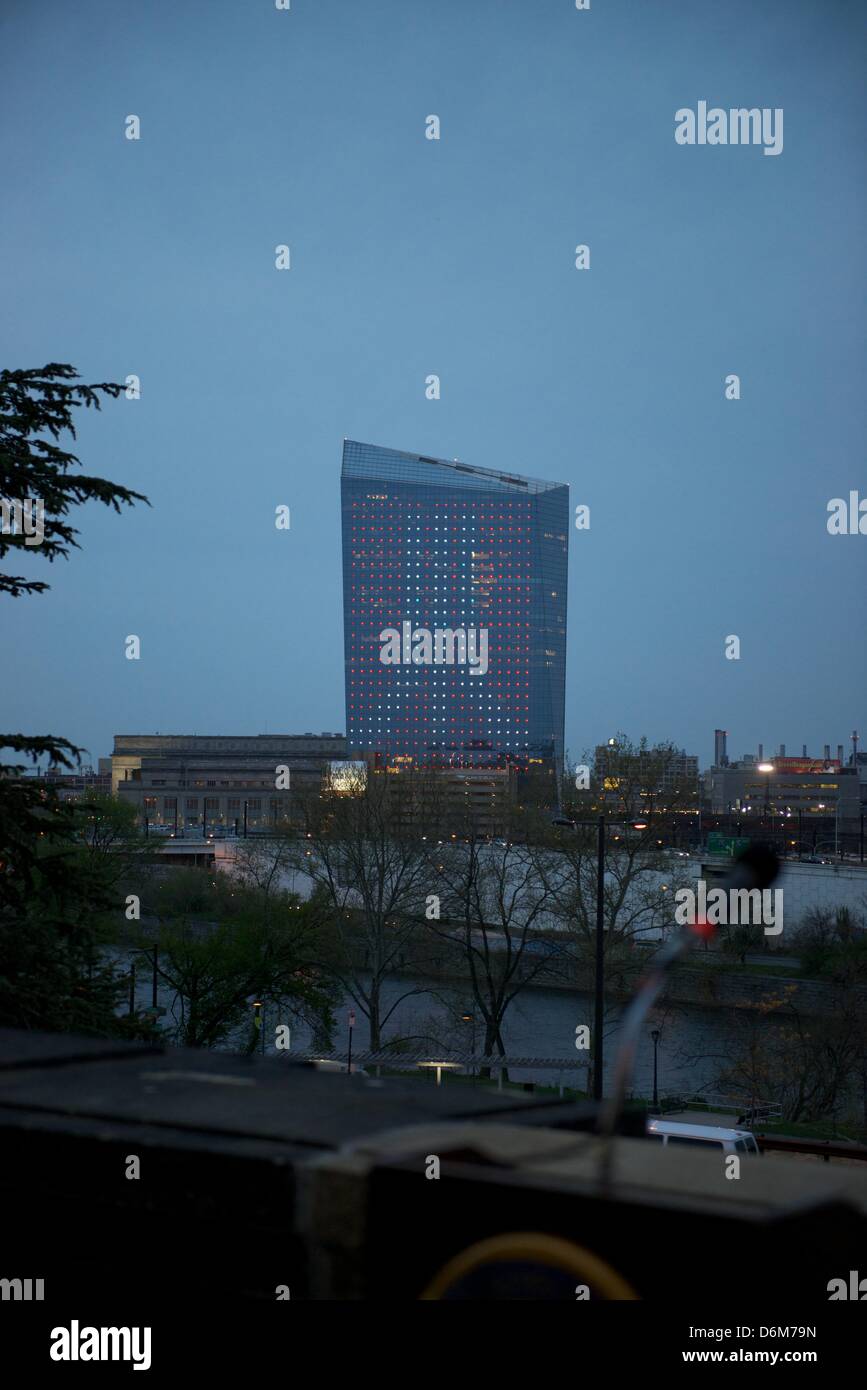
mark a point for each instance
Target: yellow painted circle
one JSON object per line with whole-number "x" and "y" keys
{"x": 532, "y": 1247}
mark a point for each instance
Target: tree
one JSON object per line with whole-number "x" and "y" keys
{"x": 51, "y": 973}
{"x": 630, "y": 785}
{"x": 40, "y": 402}
{"x": 812, "y": 1065}
{"x": 493, "y": 901}
{"x": 829, "y": 941}
{"x": 806, "y": 1063}
{"x": 361, "y": 846}
{"x": 737, "y": 940}
{"x": 254, "y": 946}
{"x": 56, "y": 900}
{"x": 111, "y": 842}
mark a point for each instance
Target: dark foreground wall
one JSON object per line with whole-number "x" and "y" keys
{"x": 256, "y": 1176}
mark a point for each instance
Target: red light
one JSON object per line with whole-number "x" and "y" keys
{"x": 703, "y": 929}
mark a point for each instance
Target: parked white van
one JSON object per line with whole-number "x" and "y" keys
{"x": 730, "y": 1141}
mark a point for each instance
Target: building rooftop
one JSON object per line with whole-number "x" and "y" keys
{"x": 377, "y": 462}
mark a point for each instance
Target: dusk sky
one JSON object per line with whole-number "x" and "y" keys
{"x": 454, "y": 257}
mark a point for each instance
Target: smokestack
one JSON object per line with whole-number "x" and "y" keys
{"x": 782, "y": 750}
{"x": 827, "y": 754}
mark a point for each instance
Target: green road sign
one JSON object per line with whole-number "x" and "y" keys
{"x": 732, "y": 845}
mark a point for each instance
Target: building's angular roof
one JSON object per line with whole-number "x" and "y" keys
{"x": 393, "y": 465}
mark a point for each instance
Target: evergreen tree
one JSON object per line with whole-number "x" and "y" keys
{"x": 51, "y": 892}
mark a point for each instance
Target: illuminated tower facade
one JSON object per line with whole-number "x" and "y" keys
{"x": 454, "y": 591}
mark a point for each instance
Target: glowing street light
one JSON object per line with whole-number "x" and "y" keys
{"x": 441, "y": 1068}
{"x": 767, "y": 767}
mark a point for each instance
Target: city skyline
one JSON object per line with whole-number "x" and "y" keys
{"x": 414, "y": 258}
{"x": 432, "y": 795}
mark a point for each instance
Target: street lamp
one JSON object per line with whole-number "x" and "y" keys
{"x": 655, "y": 1036}
{"x": 471, "y": 1019}
{"x": 440, "y": 1067}
{"x": 258, "y": 1021}
{"x": 767, "y": 768}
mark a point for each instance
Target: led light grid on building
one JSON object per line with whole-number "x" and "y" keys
{"x": 439, "y": 545}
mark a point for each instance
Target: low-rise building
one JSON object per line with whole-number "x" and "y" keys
{"x": 78, "y": 785}
{"x": 784, "y": 786}
{"x": 656, "y": 780}
{"x": 212, "y": 782}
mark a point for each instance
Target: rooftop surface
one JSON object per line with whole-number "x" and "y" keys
{"x": 362, "y": 460}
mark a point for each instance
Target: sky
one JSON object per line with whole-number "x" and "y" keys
{"x": 409, "y": 257}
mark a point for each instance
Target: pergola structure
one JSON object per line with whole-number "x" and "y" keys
{"x": 409, "y": 1059}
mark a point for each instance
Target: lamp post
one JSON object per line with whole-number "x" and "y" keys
{"x": 155, "y": 950}
{"x": 351, "y": 1026}
{"x": 655, "y": 1036}
{"x": 767, "y": 768}
{"x": 439, "y": 1067}
{"x": 471, "y": 1019}
{"x": 152, "y": 952}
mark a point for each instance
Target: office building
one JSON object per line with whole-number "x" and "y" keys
{"x": 454, "y": 581}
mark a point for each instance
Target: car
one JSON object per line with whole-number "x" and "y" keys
{"x": 729, "y": 1141}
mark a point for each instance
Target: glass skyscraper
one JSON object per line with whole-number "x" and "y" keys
{"x": 454, "y": 592}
